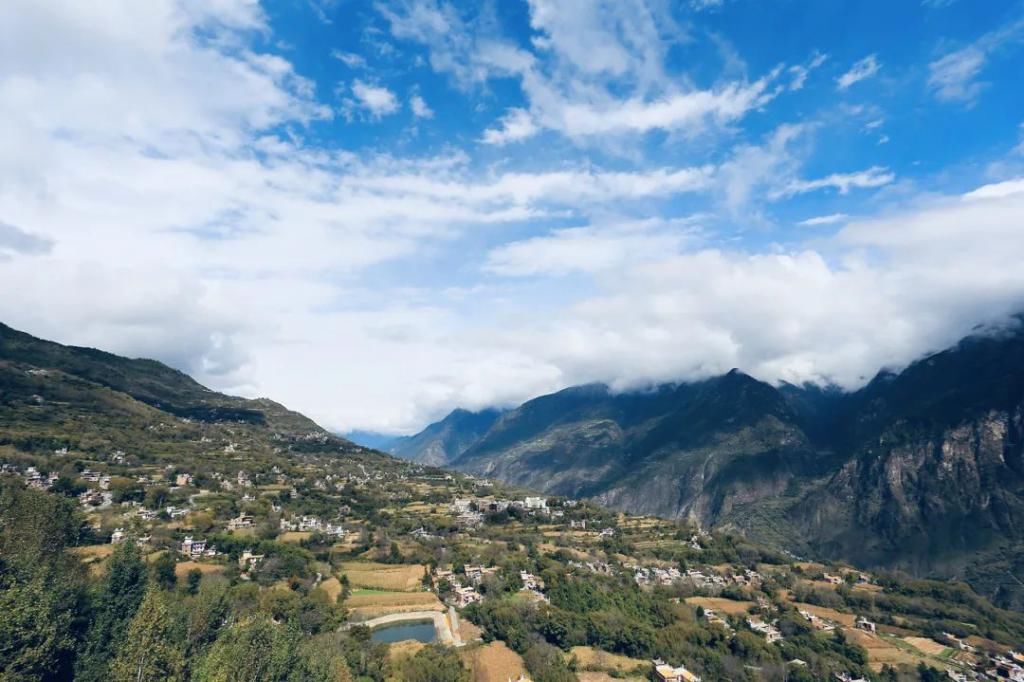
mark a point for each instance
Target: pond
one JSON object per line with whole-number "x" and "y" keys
{"x": 421, "y": 631}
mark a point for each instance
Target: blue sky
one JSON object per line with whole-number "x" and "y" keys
{"x": 375, "y": 212}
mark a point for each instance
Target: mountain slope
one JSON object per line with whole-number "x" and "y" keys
{"x": 936, "y": 469}
{"x": 922, "y": 470}
{"x": 446, "y": 440}
{"x": 679, "y": 450}
{"x": 84, "y": 399}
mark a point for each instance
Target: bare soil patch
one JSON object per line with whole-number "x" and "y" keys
{"x": 393, "y": 577}
{"x": 721, "y": 604}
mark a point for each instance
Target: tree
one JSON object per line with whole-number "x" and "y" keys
{"x": 156, "y": 497}
{"x": 259, "y": 650}
{"x": 41, "y": 585}
{"x": 148, "y": 652}
{"x": 163, "y": 571}
{"x": 67, "y": 487}
{"x": 546, "y": 664}
{"x": 433, "y": 664}
{"x": 116, "y": 603}
{"x": 321, "y": 659}
{"x": 194, "y": 578}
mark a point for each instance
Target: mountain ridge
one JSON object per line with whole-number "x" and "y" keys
{"x": 920, "y": 469}
{"x": 88, "y": 399}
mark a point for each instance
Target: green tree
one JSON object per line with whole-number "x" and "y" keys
{"x": 259, "y": 650}
{"x": 163, "y": 571}
{"x": 67, "y": 487}
{"x": 41, "y": 585}
{"x": 194, "y": 578}
{"x": 116, "y": 603}
{"x": 433, "y": 664}
{"x": 148, "y": 652}
{"x": 321, "y": 659}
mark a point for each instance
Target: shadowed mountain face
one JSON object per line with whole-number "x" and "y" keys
{"x": 920, "y": 470}
{"x": 446, "y": 440}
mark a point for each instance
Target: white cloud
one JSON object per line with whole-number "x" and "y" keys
{"x": 599, "y": 69}
{"x": 830, "y": 219}
{"x": 876, "y": 176}
{"x": 515, "y": 125}
{"x": 420, "y": 108}
{"x": 799, "y": 72}
{"x": 996, "y": 190}
{"x": 863, "y": 69}
{"x": 349, "y": 59}
{"x": 754, "y": 170}
{"x": 161, "y": 197}
{"x": 591, "y": 249}
{"x": 954, "y": 76}
{"x": 376, "y": 99}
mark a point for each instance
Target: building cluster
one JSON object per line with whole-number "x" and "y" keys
{"x": 768, "y": 630}
{"x": 312, "y": 524}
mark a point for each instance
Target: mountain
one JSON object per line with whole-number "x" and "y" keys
{"x": 96, "y": 402}
{"x": 920, "y": 470}
{"x": 444, "y": 441}
{"x": 688, "y": 450}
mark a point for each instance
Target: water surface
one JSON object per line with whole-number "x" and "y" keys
{"x": 421, "y": 631}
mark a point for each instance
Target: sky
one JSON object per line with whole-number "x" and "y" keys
{"x": 375, "y": 212}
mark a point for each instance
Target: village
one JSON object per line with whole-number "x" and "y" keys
{"x": 393, "y": 546}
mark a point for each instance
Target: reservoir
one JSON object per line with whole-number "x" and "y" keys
{"x": 421, "y": 631}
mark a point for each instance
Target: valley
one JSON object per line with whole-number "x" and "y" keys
{"x": 259, "y": 527}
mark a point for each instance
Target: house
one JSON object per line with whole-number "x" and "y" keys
{"x": 818, "y": 623}
{"x": 461, "y": 506}
{"x": 469, "y": 519}
{"x": 663, "y": 672}
{"x": 770, "y": 632}
{"x": 958, "y": 643}
{"x": 193, "y": 548}
{"x": 607, "y": 533}
{"x": 535, "y": 503}
{"x": 117, "y": 536}
{"x": 713, "y": 618}
{"x": 248, "y": 560}
{"x": 530, "y": 581}
{"x": 476, "y": 574}
{"x": 183, "y": 479}
{"x": 422, "y": 533}
{"x": 464, "y": 596}
{"x": 865, "y": 624}
{"x": 240, "y": 521}
{"x": 833, "y": 579}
